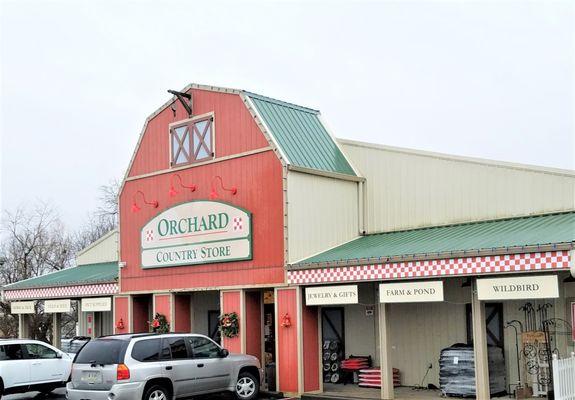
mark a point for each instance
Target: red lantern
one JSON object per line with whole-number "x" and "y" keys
{"x": 214, "y": 193}
{"x": 120, "y": 324}
{"x": 286, "y": 321}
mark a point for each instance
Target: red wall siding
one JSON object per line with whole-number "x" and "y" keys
{"x": 231, "y": 302}
{"x": 310, "y": 362}
{"x": 121, "y": 308}
{"x": 254, "y": 324}
{"x": 141, "y": 310}
{"x": 235, "y": 130}
{"x": 163, "y": 305}
{"x": 259, "y": 181}
{"x": 182, "y": 316}
{"x": 287, "y": 341}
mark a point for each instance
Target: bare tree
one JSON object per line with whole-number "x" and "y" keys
{"x": 34, "y": 243}
{"x": 103, "y": 220}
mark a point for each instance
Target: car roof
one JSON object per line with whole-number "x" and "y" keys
{"x": 130, "y": 336}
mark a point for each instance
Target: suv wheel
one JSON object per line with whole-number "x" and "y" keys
{"x": 247, "y": 387}
{"x": 156, "y": 392}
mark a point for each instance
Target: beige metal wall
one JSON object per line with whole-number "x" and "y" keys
{"x": 103, "y": 250}
{"x": 419, "y": 331}
{"x": 322, "y": 213}
{"x": 410, "y": 188}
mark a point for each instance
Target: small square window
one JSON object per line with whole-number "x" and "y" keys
{"x": 192, "y": 141}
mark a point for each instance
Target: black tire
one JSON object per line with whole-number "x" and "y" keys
{"x": 156, "y": 392}
{"x": 247, "y": 386}
{"x": 1, "y": 388}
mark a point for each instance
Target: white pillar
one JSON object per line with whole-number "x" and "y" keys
{"x": 385, "y": 353}
{"x": 23, "y": 327}
{"x": 480, "y": 346}
{"x": 56, "y": 330}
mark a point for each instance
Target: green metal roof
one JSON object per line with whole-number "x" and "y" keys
{"x": 301, "y": 135}
{"x": 469, "y": 237}
{"x": 81, "y": 275}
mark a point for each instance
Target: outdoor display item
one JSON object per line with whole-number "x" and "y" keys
{"x": 159, "y": 324}
{"x": 457, "y": 371}
{"x": 371, "y": 377}
{"x": 332, "y": 355}
{"x": 229, "y": 325}
{"x": 350, "y": 367}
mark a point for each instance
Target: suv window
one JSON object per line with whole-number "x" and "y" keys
{"x": 176, "y": 346}
{"x": 102, "y": 351}
{"x": 146, "y": 350}
{"x": 35, "y": 350}
{"x": 203, "y": 347}
{"x": 11, "y": 352}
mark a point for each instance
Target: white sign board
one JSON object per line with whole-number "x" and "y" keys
{"x": 411, "y": 292}
{"x": 22, "y": 307}
{"x": 327, "y": 295}
{"x": 95, "y": 304}
{"x": 518, "y": 288}
{"x": 198, "y": 232}
{"x": 57, "y": 306}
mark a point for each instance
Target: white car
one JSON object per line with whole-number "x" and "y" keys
{"x": 31, "y": 365}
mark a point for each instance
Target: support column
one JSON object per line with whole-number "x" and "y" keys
{"x": 385, "y": 353}
{"x": 254, "y": 325}
{"x": 122, "y": 314}
{"x": 233, "y": 301}
{"x": 164, "y": 304}
{"x": 289, "y": 368}
{"x": 480, "y": 346}
{"x": 23, "y": 332}
{"x": 57, "y": 330}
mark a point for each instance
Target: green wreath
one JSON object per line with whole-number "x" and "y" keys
{"x": 229, "y": 325}
{"x": 159, "y": 324}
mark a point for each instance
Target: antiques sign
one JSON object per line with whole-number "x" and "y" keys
{"x": 411, "y": 292}
{"x": 517, "y": 288}
{"x": 324, "y": 295}
{"x": 198, "y": 232}
{"x": 22, "y": 307}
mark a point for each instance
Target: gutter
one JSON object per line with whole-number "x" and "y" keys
{"x": 432, "y": 256}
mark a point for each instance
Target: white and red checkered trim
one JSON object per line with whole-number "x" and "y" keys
{"x": 62, "y": 291}
{"x": 551, "y": 260}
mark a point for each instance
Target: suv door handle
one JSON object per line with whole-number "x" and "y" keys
{"x": 200, "y": 365}
{"x": 169, "y": 367}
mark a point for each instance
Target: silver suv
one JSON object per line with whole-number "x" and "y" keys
{"x": 160, "y": 367}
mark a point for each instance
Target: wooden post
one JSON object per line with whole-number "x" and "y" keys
{"x": 480, "y": 346}
{"x": 385, "y": 353}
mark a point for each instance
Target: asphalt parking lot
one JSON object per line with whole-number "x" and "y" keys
{"x": 61, "y": 394}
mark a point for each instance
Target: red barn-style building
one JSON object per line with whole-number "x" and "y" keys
{"x": 238, "y": 203}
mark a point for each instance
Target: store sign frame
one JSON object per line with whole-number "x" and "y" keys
{"x": 195, "y": 233}
{"x": 411, "y": 292}
{"x": 22, "y": 307}
{"x": 518, "y": 288}
{"x": 57, "y": 306}
{"x": 96, "y": 304}
{"x": 331, "y": 295}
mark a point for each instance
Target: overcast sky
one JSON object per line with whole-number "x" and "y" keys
{"x": 489, "y": 79}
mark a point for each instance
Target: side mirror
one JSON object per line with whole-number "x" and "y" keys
{"x": 59, "y": 355}
{"x": 224, "y": 353}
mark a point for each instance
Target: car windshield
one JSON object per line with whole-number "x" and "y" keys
{"x": 102, "y": 351}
